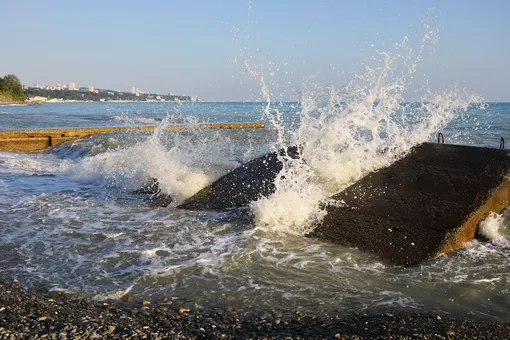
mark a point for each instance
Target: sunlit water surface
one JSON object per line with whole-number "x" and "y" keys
{"x": 69, "y": 218}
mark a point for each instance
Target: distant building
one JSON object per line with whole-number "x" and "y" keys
{"x": 83, "y": 89}
{"x": 25, "y": 87}
{"x": 37, "y": 86}
{"x": 71, "y": 87}
{"x": 91, "y": 88}
{"x": 135, "y": 91}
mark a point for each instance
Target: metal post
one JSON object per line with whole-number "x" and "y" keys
{"x": 440, "y": 138}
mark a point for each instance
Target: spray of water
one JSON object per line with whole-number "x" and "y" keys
{"x": 180, "y": 169}
{"x": 345, "y": 133}
{"x": 494, "y": 229}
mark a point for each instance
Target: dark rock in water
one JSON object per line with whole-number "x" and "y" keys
{"x": 159, "y": 200}
{"x": 43, "y": 175}
{"x": 154, "y": 194}
{"x": 151, "y": 187}
{"x": 247, "y": 183}
{"x": 423, "y": 205}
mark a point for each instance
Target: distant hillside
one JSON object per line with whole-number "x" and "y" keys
{"x": 101, "y": 95}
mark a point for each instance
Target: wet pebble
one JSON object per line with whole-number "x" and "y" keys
{"x": 26, "y": 314}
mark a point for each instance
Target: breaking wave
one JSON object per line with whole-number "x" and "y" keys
{"x": 345, "y": 133}
{"x": 180, "y": 166}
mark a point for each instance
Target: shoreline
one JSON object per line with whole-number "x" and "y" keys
{"x": 31, "y": 313}
{"x": 12, "y": 103}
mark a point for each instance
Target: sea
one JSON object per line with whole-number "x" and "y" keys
{"x": 73, "y": 218}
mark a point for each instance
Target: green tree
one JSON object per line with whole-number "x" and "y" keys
{"x": 11, "y": 84}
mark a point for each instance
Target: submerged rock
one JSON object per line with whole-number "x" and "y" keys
{"x": 423, "y": 205}
{"x": 154, "y": 195}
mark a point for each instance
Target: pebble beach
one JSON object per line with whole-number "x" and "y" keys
{"x": 34, "y": 314}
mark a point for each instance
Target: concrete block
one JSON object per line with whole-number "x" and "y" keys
{"x": 426, "y": 204}
{"x": 247, "y": 183}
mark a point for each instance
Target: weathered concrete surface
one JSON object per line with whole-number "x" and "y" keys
{"x": 423, "y": 205}
{"x": 426, "y": 204}
{"x": 31, "y": 143}
{"x": 247, "y": 183}
{"x": 31, "y": 140}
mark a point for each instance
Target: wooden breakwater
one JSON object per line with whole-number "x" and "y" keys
{"x": 32, "y": 140}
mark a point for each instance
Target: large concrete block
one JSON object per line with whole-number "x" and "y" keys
{"x": 247, "y": 183}
{"x": 423, "y": 205}
{"x": 428, "y": 203}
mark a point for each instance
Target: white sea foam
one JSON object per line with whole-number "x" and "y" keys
{"x": 134, "y": 120}
{"x": 115, "y": 295}
{"x": 180, "y": 169}
{"x": 131, "y": 168}
{"x": 345, "y": 133}
{"x": 493, "y": 228}
{"x": 29, "y": 162}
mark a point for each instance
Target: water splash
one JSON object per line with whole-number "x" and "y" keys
{"x": 493, "y": 228}
{"x": 179, "y": 169}
{"x": 345, "y": 133}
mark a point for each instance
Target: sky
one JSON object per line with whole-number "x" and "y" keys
{"x": 199, "y": 48}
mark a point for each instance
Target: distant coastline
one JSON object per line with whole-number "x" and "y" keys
{"x": 38, "y": 95}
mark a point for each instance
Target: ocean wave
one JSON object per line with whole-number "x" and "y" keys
{"x": 345, "y": 133}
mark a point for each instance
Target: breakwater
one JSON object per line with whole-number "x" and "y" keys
{"x": 37, "y": 139}
{"x": 427, "y": 204}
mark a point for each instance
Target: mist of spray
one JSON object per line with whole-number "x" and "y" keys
{"x": 181, "y": 166}
{"x": 345, "y": 133}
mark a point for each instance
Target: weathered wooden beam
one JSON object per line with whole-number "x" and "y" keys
{"x": 31, "y": 140}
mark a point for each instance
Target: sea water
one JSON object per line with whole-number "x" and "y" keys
{"x": 71, "y": 218}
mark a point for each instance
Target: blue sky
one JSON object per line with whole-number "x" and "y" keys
{"x": 197, "y": 47}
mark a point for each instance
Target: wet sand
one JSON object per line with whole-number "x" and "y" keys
{"x": 33, "y": 314}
